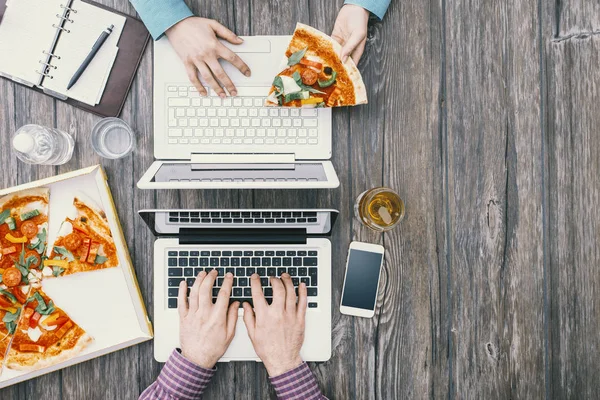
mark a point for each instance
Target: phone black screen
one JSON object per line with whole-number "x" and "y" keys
{"x": 362, "y": 277}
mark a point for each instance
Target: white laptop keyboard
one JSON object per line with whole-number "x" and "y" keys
{"x": 240, "y": 120}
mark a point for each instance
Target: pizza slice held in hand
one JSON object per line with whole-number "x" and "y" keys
{"x": 314, "y": 75}
{"x": 45, "y": 335}
{"x": 83, "y": 244}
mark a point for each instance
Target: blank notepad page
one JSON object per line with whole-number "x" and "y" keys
{"x": 26, "y": 32}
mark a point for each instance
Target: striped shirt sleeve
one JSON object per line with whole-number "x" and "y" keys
{"x": 298, "y": 383}
{"x": 180, "y": 379}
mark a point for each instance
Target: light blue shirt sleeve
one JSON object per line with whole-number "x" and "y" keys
{"x": 160, "y": 15}
{"x": 377, "y": 7}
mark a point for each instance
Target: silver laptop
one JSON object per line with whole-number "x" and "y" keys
{"x": 209, "y": 142}
{"x": 267, "y": 242}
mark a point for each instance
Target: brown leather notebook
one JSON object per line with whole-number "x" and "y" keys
{"x": 131, "y": 44}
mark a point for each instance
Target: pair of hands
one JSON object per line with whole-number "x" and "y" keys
{"x": 276, "y": 330}
{"x": 195, "y": 41}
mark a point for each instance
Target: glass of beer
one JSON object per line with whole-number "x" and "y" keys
{"x": 380, "y": 209}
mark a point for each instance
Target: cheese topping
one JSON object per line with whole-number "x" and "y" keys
{"x": 289, "y": 85}
{"x": 66, "y": 229}
{"x": 47, "y": 271}
{"x": 25, "y": 289}
{"x": 43, "y": 323}
{"x": 34, "y": 334}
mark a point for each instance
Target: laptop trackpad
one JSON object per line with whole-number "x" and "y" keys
{"x": 241, "y": 346}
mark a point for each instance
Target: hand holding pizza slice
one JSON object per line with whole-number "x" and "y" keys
{"x": 315, "y": 76}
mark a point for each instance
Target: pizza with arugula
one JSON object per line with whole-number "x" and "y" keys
{"x": 23, "y": 237}
{"x": 11, "y": 302}
{"x": 45, "y": 335}
{"x": 34, "y": 332}
{"x": 84, "y": 243}
{"x": 313, "y": 74}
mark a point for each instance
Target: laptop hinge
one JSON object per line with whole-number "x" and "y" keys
{"x": 216, "y": 158}
{"x": 242, "y": 236}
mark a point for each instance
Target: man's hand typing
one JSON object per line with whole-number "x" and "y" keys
{"x": 206, "y": 329}
{"x": 277, "y": 330}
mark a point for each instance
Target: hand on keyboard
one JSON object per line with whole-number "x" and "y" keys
{"x": 277, "y": 330}
{"x": 195, "y": 41}
{"x": 206, "y": 329}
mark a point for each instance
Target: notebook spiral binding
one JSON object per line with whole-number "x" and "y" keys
{"x": 64, "y": 18}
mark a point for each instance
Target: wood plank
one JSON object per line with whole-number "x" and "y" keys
{"x": 495, "y": 200}
{"x": 576, "y": 18}
{"x": 412, "y": 299}
{"x": 574, "y": 217}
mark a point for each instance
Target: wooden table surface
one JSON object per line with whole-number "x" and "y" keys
{"x": 483, "y": 116}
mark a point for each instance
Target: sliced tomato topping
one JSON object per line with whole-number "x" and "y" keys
{"x": 4, "y": 302}
{"x": 60, "y": 332}
{"x": 29, "y": 229}
{"x": 309, "y": 77}
{"x": 11, "y": 277}
{"x": 34, "y": 320}
{"x": 9, "y": 250}
{"x": 38, "y": 259}
{"x": 72, "y": 241}
{"x": 18, "y": 293}
{"x": 36, "y": 348}
{"x": 310, "y": 63}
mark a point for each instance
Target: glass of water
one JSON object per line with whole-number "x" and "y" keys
{"x": 113, "y": 138}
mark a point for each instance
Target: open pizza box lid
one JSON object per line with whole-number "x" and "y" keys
{"x": 107, "y": 303}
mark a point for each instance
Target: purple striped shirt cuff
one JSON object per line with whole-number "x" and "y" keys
{"x": 298, "y": 383}
{"x": 179, "y": 379}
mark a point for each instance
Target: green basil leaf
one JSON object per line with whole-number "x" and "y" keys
{"x": 296, "y": 57}
{"x": 22, "y": 256}
{"x": 23, "y": 269}
{"x": 11, "y": 327}
{"x": 10, "y": 317}
{"x": 47, "y": 309}
{"x": 4, "y": 214}
{"x": 9, "y": 295}
{"x": 100, "y": 259}
{"x": 64, "y": 252}
{"x": 56, "y": 270}
{"x": 296, "y": 76}
{"x": 36, "y": 296}
{"x": 278, "y": 83}
{"x": 0, "y": 278}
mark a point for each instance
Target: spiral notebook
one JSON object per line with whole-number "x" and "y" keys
{"x": 43, "y": 43}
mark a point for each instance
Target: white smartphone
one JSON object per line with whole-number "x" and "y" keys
{"x": 363, "y": 270}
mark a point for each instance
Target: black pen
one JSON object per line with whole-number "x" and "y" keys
{"x": 90, "y": 56}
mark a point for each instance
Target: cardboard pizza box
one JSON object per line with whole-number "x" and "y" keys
{"x": 107, "y": 303}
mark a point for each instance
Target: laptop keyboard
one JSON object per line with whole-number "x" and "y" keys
{"x": 302, "y": 265}
{"x": 235, "y": 217}
{"x": 240, "y": 120}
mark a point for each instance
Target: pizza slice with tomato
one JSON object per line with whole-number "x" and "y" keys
{"x": 45, "y": 335}
{"x": 313, "y": 74}
{"x": 23, "y": 236}
{"x": 84, "y": 243}
{"x": 11, "y": 302}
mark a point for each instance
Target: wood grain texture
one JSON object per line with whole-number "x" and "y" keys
{"x": 494, "y": 200}
{"x": 483, "y": 116}
{"x": 577, "y": 18}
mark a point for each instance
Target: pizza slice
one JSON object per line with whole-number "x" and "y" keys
{"x": 23, "y": 236}
{"x": 84, "y": 243}
{"x": 11, "y": 301}
{"x": 45, "y": 335}
{"x": 314, "y": 75}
